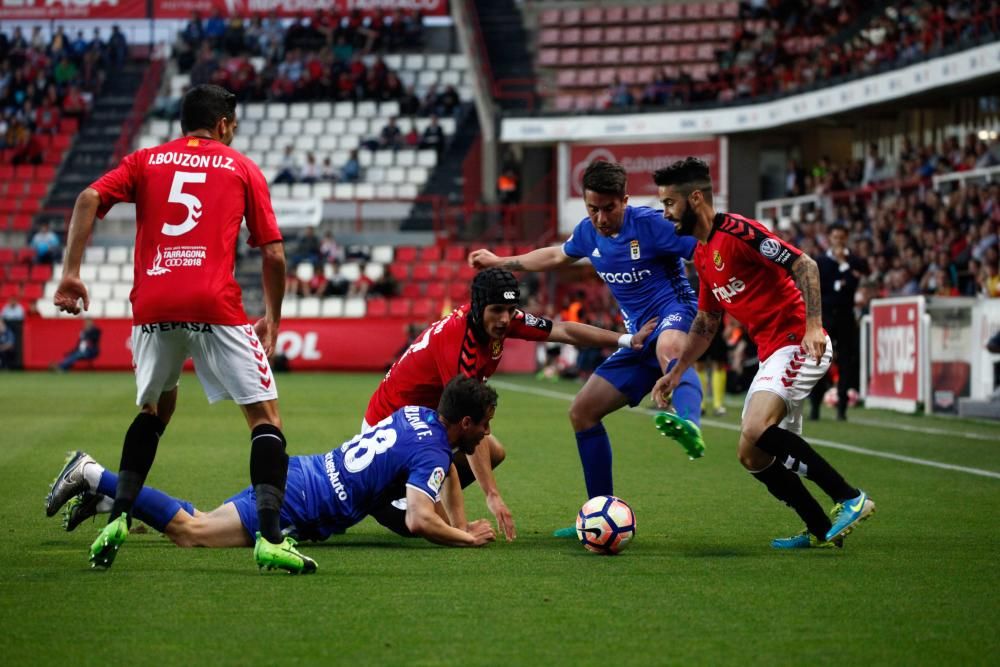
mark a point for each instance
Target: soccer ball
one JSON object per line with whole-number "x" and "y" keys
{"x": 605, "y": 525}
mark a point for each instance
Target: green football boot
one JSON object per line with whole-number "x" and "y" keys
{"x": 684, "y": 431}
{"x": 282, "y": 556}
{"x": 569, "y": 531}
{"x": 105, "y": 547}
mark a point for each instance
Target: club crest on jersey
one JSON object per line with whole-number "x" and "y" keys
{"x": 436, "y": 479}
{"x": 633, "y": 249}
{"x": 496, "y": 349}
{"x": 770, "y": 248}
{"x": 717, "y": 260}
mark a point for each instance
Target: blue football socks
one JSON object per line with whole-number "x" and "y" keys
{"x": 152, "y": 506}
{"x": 687, "y": 396}
{"x": 595, "y": 455}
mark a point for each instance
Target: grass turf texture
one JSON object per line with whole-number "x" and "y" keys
{"x": 917, "y": 584}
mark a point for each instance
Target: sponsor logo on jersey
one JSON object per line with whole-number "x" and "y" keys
{"x": 596, "y": 253}
{"x": 625, "y": 277}
{"x": 633, "y": 249}
{"x": 436, "y": 479}
{"x": 332, "y": 474}
{"x": 177, "y": 256}
{"x": 496, "y": 349}
{"x": 717, "y": 260}
{"x": 198, "y": 327}
{"x": 729, "y": 290}
{"x": 770, "y": 248}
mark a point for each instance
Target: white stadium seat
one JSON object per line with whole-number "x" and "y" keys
{"x": 121, "y": 291}
{"x": 109, "y": 273}
{"x": 309, "y": 306}
{"x": 385, "y": 158}
{"x": 406, "y": 158}
{"x": 385, "y": 191}
{"x": 388, "y": 109}
{"x": 314, "y": 126}
{"x": 321, "y": 110}
{"x": 374, "y": 270}
{"x": 427, "y": 77}
{"x": 299, "y": 110}
{"x": 291, "y": 127}
{"x": 116, "y": 309}
{"x": 343, "y": 110}
{"x": 261, "y": 142}
{"x": 351, "y": 271}
{"x": 354, "y": 307}
{"x": 427, "y": 158}
{"x": 256, "y": 111}
{"x": 436, "y": 61}
{"x": 332, "y": 306}
{"x": 118, "y": 254}
{"x": 393, "y": 61}
{"x": 366, "y": 109}
{"x": 382, "y": 254}
{"x": 350, "y": 141}
{"x": 366, "y": 159}
{"x": 364, "y": 191}
{"x": 99, "y": 290}
{"x": 336, "y": 126}
{"x": 343, "y": 191}
{"x": 450, "y": 78}
{"x": 323, "y": 190}
{"x": 396, "y": 175}
{"x": 413, "y": 62}
{"x": 277, "y": 111}
{"x": 88, "y": 273}
{"x": 281, "y": 190}
{"x": 96, "y": 308}
{"x": 269, "y": 127}
{"x": 407, "y": 191}
{"x": 458, "y": 61}
{"x": 327, "y": 142}
{"x": 304, "y": 142}
{"x": 94, "y": 254}
{"x": 301, "y": 191}
{"x": 417, "y": 175}
{"x": 375, "y": 174}
{"x": 447, "y": 125}
{"x": 358, "y": 126}
{"x": 304, "y": 271}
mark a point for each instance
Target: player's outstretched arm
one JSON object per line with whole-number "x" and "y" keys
{"x": 585, "y": 335}
{"x": 452, "y": 505}
{"x": 423, "y": 520}
{"x": 806, "y": 274}
{"x": 542, "y": 259}
{"x": 480, "y": 461}
{"x": 81, "y": 225}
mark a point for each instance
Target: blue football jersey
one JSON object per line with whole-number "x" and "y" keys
{"x": 642, "y": 265}
{"x": 410, "y": 447}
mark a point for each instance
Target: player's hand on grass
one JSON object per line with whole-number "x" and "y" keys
{"x": 505, "y": 521}
{"x": 69, "y": 293}
{"x": 481, "y": 531}
{"x": 267, "y": 332}
{"x": 664, "y": 388}
{"x": 483, "y": 259}
{"x": 639, "y": 339}
{"x": 814, "y": 343}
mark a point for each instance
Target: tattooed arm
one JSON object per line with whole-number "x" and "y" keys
{"x": 699, "y": 338}
{"x": 806, "y": 275}
{"x": 541, "y": 259}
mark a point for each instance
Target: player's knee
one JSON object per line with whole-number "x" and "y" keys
{"x": 580, "y": 417}
{"x": 497, "y": 454}
{"x": 750, "y": 456}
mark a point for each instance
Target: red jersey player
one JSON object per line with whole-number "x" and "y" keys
{"x": 774, "y": 290}
{"x": 470, "y": 342}
{"x": 191, "y": 196}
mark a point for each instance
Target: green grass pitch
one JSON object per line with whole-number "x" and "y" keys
{"x": 917, "y": 584}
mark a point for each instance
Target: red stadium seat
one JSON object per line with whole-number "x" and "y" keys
{"x": 549, "y": 37}
{"x": 566, "y": 78}
{"x": 32, "y": 291}
{"x": 6, "y": 172}
{"x": 614, "y": 14}
{"x": 593, "y": 36}
{"x": 8, "y": 290}
{"x": 401, "y": 272}
{"x": 6, "y": 256}
{"x": 17, "y": 273}
{"x": 650, "y": 54}
{"x": 466, "y": 273}
{"x": 456, "y": 253}
{"x": 551, "y": 18}
{"x": 652, "y": 34}
{"x": 548, "y": 57}
{"x": 431, "y": 253}
{"x": 593, "y": 16}
{"x": 436, "y": 291}
{"x": 565, "y": 103}
{"x": 40, "y": 273}
{"x": 571, "y": 17}
{"x": 672, "y": 33}
{"x": 38, "y": 189}
{"x": 712, "y": 10}
{"x": 61, "y": 142}
{"x": 411, "y": 291}
{"x": 504, "y": 250}
{"x": 21, "y": 223}
{"x": 675, "y": 12}
{"x": 570, "y": 36}
{"x": 399, "y": 308}
{"x": 694, "y": 11}
{"x": 635, "y": 14}
{"x": 730, "y": 10}
{"x": 569, "y": 57}
{"x": 446, "y": 271}
{"x": 655, "y": 14}
{"x": 45, "y": 173}
{"x": 25, "y": 255}
{"x": 708, "y": 31}
{"x": 634, "y": 34}
{"x": 406, "y": 254}
{"x": 606, "y": 76}
{"x": 614, "y": 35}
{"x": 24, "y": 172}
{"x": 69, "y": 126}
{"x": 591, "y": 56}
{"x": 423, "y": 309}
{"x": 611, "y": 55}
{"x": 630, "y": 55}
{"x": 377, "y": 308}
{"x": 422, "y": 273}
{"x": 458, "y": 292}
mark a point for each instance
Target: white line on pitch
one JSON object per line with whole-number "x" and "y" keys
{"x": 548, "y": 393}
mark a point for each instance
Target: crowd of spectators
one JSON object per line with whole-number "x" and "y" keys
{"x": 318, "y": 57}
{"x": 326, "y": 256}
{"x": 909, "y": 164}
{"x": 773, "y": 51}
{"x": 916, "y": 240}
{"x": 43, "y": 81}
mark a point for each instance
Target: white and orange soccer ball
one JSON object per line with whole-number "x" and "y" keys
{"x": 605, "y": 525}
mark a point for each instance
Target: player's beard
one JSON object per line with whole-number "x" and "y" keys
{"x": 688, "y": 221}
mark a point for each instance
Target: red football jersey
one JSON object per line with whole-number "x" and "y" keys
{"x": 445, "y": 349}
{"x": 744, "y": 270}
{"x": 191, "y": 196}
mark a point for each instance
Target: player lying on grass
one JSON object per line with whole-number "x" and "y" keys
{"x": 773, "y": 289}
{"x": 408, "y": 453}
{"x": 470, "y": 342}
